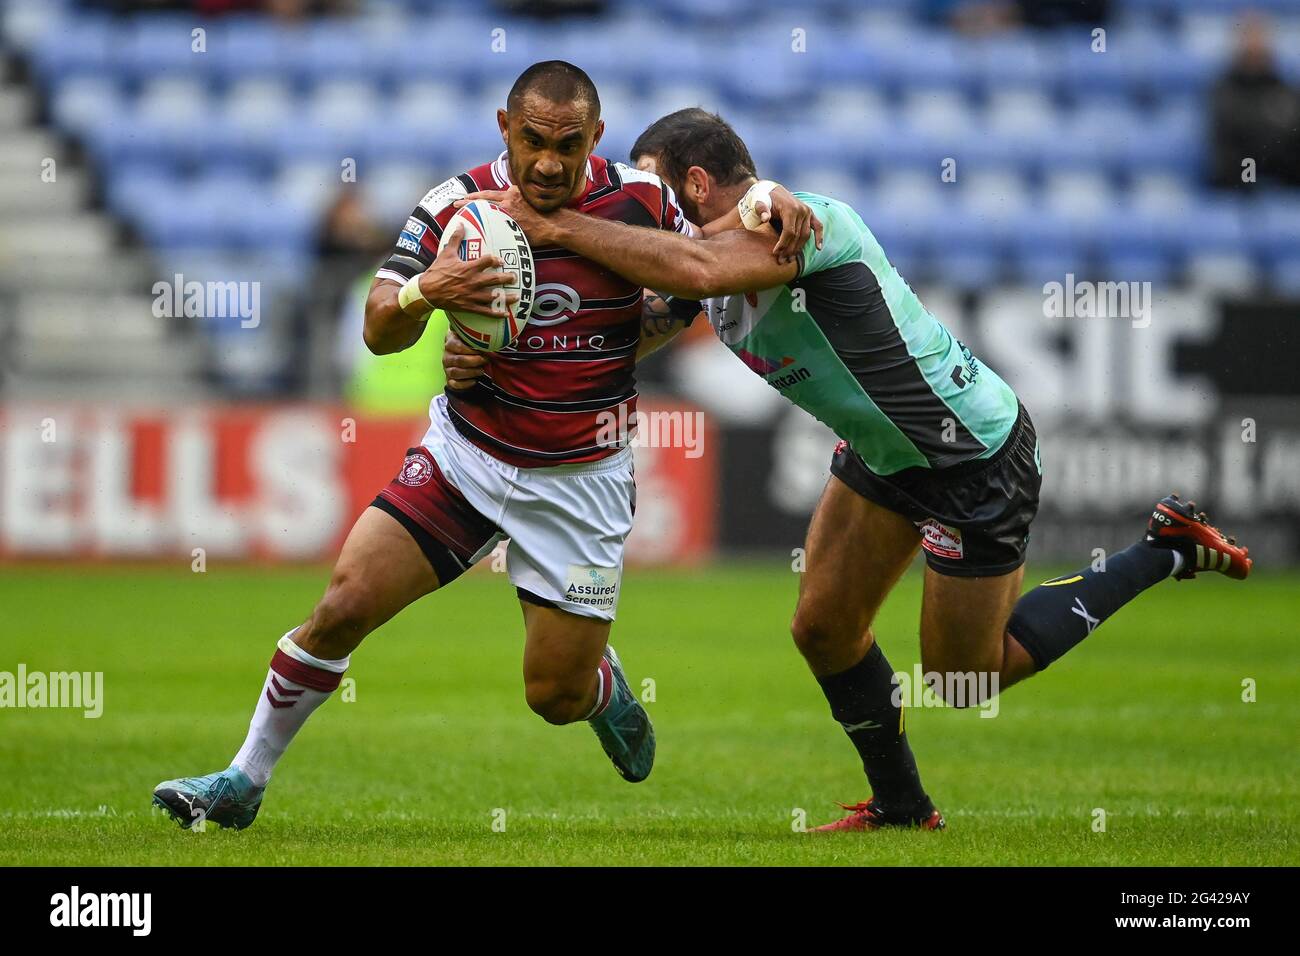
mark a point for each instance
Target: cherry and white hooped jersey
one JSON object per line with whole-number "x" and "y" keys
{"x": 548, "y": 398}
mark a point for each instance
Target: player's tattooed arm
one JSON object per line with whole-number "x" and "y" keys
{"x": 659, "y": 323}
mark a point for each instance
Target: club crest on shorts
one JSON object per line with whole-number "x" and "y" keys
{"x": 941, "y": 539}
{"x": 416, "y": 470}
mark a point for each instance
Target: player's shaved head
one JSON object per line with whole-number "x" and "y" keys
{"x": 695, "y": 137}
{"x": 557, "y": 82}
{"x": 550, "y": 125}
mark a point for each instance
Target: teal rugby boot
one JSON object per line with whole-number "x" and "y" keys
{"x": 623, "y": 726}
{"x": 228, "y": 799}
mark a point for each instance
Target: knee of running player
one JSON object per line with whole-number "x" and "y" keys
{"x": 560, "y": 699}
{"x": 829, "y": 642}
{"x": 339, "y": 622}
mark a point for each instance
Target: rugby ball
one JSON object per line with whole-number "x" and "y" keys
{"x": 487, "y": 231}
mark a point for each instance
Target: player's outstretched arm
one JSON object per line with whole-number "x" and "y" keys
{"x": 396, "y": 313}
{"x": 733, "y": 261}
{"x": 739, "y": 261}
{"x": 797, "y": 220}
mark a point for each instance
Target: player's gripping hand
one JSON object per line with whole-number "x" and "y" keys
{"x": 452, "y": 283}
{"x": 463, "y": 365}
{"x": 797, "y": 221}
{"x": 536, "y": 226}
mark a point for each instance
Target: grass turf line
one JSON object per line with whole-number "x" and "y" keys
{"x": 1145, "y": 721}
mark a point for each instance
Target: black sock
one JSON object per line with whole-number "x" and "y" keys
{"x": 862, "y": 700}
{"x": 1058, "y": 614}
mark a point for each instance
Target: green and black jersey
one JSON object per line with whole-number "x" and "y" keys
{"x": 849, "y": 342}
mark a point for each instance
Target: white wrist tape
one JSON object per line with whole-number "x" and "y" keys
{"x": 409, "y": 293}
{"x": 761, "y": 191}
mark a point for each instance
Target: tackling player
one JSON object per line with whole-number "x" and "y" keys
{"x": 515, "y": 459}
{"x": 936, "y": 451}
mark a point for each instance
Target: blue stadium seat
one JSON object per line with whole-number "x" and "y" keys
{"x": 146, "y": 48}
{"x": 931, "y": 59}
{"x": 1212, "y": 226}
{"x": 754, "y": 65}
{"x": 1137, "y": 265}
{"x": 1284, "y": 276}
{"x": 968, "y": 267}
{"x": 879, "y": 93}
{"x": 82, "y": 103}
{"x": 132, "y": 190}
{"x": 1085, "y": 74}
{"x": 804, "y": 142}
{"x": 172, "y": 215}
{"x": 1138, "y": 234}
{"x": 1272, "y": 224}
{"x": 1106, "y": 130}
{"x": 24, "y": 22}
{"x": 1078, "y": 196}
{"x": 708, "y": 11}
{"x": 455, "y": 47}
{"x": 634, "y": 49}
{"x": 1050, "y": 263}
{"x": 83, "y": 45}
{"x": 846, "y": 57}
{"x": 1010, "y": 60}
{"x": 244, "y": 47}
{"x": 344, "y": 48}
{"x": 272, "y": 222}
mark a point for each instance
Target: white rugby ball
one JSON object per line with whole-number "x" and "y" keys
{"x": 487, "y": 231}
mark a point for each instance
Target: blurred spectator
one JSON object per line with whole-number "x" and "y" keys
{"x": 1052, "y": 13}
{"x": 550, "y": 9}
{"x": 347, "y": 231}
{"x": 981, "y": 17}
{"x": 288, "y": 10}
{"x": 1255, "y": 115}
{"x": 349, "y": 248}
{"x": 973, "y": 17}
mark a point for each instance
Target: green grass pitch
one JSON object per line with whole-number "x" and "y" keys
{"x": 1145, "y": 721}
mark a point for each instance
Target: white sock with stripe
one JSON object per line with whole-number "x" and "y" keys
{"x": 604, "y": 690}
{"x": 296, "y": 684}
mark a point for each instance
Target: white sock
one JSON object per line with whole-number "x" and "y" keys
{"x": 1178, "y": 562}
{"x": 296, "y": 684}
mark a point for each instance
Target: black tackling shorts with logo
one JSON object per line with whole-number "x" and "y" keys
{"x": 973, "y": 517}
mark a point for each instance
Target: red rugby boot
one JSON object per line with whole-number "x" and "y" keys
{"x": 869, "y": 816}
{"x": 1176, "y": 525}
